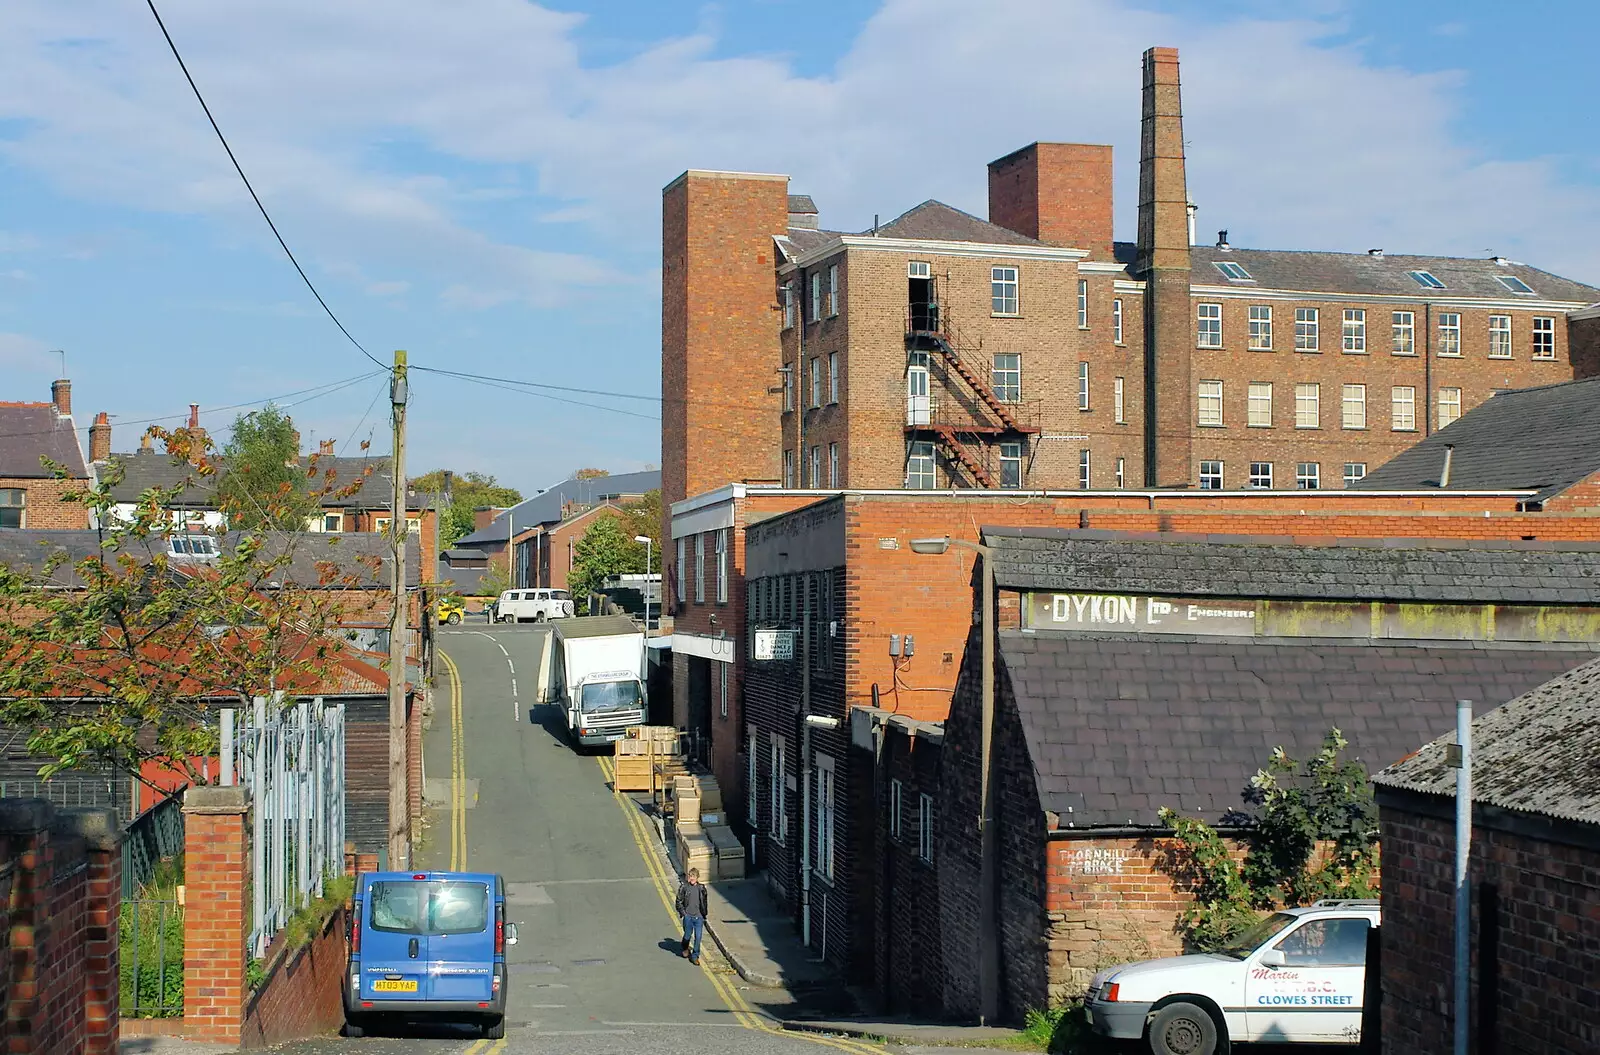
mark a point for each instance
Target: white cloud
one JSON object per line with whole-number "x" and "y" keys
{"x": 18, "y": 351}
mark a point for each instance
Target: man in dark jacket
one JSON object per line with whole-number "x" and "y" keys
{"x": 691, "y": 905}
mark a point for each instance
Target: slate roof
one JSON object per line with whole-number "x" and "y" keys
{"x": 467, "y": 582}
{"x": 1117, "y": 729}
{"x": 545, "y": 507}
{"x": 936, "y": 221}
{"x": 147, "y": 468}
{"x": 31, "y": 548}
{"x": 1539, "y": 753}
{"x": 1445, "y": 571}
{"x": 801, "y": 203}
{"x": 1360, "y": 273}
{"x": 29, "y": 431}
{"x": 1542, "y": 439}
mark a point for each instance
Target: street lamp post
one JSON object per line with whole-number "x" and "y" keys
{"x": 648, "y": 542}
{"x": 989, "y": 915}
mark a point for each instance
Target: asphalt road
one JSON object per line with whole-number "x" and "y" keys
{"x": 596, "y": 969}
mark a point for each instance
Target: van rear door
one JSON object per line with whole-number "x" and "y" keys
{"x": 461, "y": 940}
{"x": 395, "y": 947}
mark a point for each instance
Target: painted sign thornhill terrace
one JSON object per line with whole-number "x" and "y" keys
{"x": 1242, "y": 617}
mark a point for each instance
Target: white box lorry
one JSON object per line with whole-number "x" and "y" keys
{"x": 597, "y": 676}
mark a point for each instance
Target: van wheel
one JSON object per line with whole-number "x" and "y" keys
{"x": 354, "y": 1028}
{"x": 539, "y": 618}
{"x": 495, "y": 1030}
{"x": 1183, "y": 1029}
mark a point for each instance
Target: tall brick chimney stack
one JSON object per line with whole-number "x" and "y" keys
{"x": 61, "y": 396}
{"x": 197, "y": 451}
{"x": 100, "y": 439}
{"x": 1163, "y": 263}
{"x": 1059, "y": 193}
{"x": 720, "y": 349}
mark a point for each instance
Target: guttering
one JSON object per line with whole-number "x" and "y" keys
{"x": 936, "y": 247}
{"x": 1501, "y": 303}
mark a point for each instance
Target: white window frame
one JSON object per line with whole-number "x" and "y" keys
{"x": 1307, "y": 330}
{"x": 1308, "y": 394}
{"x": 915, "y": 457}
{"x": 1544, "y": 337}
{"x": 1354, "y": 472}
{"x": 700, "y": 568}
{"x": 788, "y": 388}
{"x": 1403, "y": 408}
{"x": 833, "y": 378}
{"x": 788, "y": 305}
{"x": 1007, "y": 379}
{"x": 1213, "y": 474}
{"x": 827, "y": 811}
{"x": 1308, "y": 476}
{"x": 896, "y": 795}
{"x": 1209, "y": 397}
{"x": 1499, "y": 337}
{"x": 833, "y": 291}
{"x": 814, "y": 465}
{"x": 1011, "y": 452}
{"x": 1116, "y": 320}
{"x": 1117, "y": 384}
{"x": 1449, "y": 406}
{"x": 1403, "y": 325}
{"x": 1084, "y": 469}
{"x": 1260, "y": 476}
{"x": 1122, "y": 468}
{"x": 1083, "y": 385}
{"x": 1353, "y": 407}
{"x": 1208, "y": 325}
{"x": 925, "y": 827}
{"x": 1259, "y": 405}
{"x": 1005, "y": 291}
{"x": 816, "y": 296}
{"x": 778, "y": 794}
{"x": 1083, "y": 304}
{"x": 788, "y": 468}
{"x": 1450, "y": 334}
{"x": 919, "y": 269}
{"x": 722, "y": 583}
{"x": 816, "y": 381}
{"x": 681, "y": 568}
{"x": 1261, "y": 327}
{"x": 1355, "y": 331}
{"x": 833, "y": 465}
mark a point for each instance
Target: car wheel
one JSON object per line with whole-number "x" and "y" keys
{"x": 455, "y": 617}
{"x": 495, "y": 1030}
{"x": 1183, "y": 1029}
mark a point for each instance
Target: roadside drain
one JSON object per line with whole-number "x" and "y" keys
{"x": 587, "y": 963}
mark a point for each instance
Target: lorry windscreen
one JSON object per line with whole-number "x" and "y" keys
{"x": 609, "y": 695}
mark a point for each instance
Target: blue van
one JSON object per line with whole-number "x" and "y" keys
{"x": 428, "y": 945}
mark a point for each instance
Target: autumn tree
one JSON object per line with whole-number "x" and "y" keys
{"x": 468, "y": 491}
{"x": 116, "y": 657}
{"x": 605, "y": 549}
{"x": 261, "y": 484}
{"x": 643, "y": 518}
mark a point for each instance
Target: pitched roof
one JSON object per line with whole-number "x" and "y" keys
{"x": 545, "y": 507}
{"x": 1118, "y": 728}
{"x": 936, "y": 221}
{"x": 1463, "y": 277}
{"x": 1428, "y": 570}
{"x": 1535, "y": 754}
{"x": 801, "y": 203}
{"x": 147, "y": 468}
{"x": 1536, "y": 439}
{"x": 31, "y": 431}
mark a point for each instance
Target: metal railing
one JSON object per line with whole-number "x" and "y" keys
{"x": 150, "y": 933}
{"x": 154, "y": 836}
{"x": 291, "y": 758}
{"x": 74, "y": 790}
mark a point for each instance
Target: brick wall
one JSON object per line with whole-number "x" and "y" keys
{"x": 1059, "y": 193}
{"x": 216, "y": 870}
{"x": 1548, "y": 937}
{"x": 43, "y": 507}
{"x": 61, "y": 872}
{"x": 1584, "y": 347}
{"x": 301, "y": 994}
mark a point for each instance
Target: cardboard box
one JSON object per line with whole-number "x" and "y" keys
{"x": 695, "y": 851}
{"x": 729, "y": 851}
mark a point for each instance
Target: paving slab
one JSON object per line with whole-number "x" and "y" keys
{"x": 917, "y": 1035}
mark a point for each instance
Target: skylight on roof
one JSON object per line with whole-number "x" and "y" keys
{"x": 1426, "y": 280}
{"x": 1232, "y": 270}
{"x": 1514, "y": 284}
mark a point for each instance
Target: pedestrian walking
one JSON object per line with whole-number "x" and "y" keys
{"x": 691, "y": 906}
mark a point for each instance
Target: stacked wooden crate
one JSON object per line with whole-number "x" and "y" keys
{"x": 643, "y": 755}
{"x": 705, "y": 841}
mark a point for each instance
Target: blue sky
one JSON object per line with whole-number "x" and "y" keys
{"x": 480, "y": 184}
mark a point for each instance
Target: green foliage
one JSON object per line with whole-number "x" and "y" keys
{"x": 605, "y": 549}
{"x": 1314, "y": 835}
{"x": 124, "y": 667}
{"x": 1060, "y": 1029}
{"x": 494, "y": 582}
{"x": 468, "y": 491}
{"x": 150, "y": 934}
{"x": 255, "y": 973}
{"x": 305, "y": 925}
{"x": 262, "y": 485}
{"x": 644, "y": 518}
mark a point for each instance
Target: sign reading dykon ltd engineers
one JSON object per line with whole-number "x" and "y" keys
{"x": 1149, "y": 615}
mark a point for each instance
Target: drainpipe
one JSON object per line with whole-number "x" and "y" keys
{"x": 1427, "y": 369}
{"x": 805, "y": 763}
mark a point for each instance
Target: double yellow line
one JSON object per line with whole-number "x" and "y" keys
{"x": 485, "y": 1047}
{"x": 665, "y": 884}
{"x": 458, "y": 771}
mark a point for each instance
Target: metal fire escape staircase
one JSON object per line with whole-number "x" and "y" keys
{"x": 955, "y": 430}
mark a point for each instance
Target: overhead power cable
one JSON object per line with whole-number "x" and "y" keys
{"x": 253, "y": 195}
{"x": 544, "y": 386}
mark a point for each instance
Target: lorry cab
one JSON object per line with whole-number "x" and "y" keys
{"x": 597, "y": 677}
{"x": 428, "y": 945}
{"x": 1297, "y": 976}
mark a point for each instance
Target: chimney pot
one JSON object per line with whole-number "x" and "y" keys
{"x": 61, "y": 396}
{"x": 100, "y": 439}
{"x": 194, "y": 415}
{"x": 1222, "y": 239}
{"x": 326, "y": 447}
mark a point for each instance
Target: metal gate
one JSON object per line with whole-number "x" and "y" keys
{"x": 291, "y": 758}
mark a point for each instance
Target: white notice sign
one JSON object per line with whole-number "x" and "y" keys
{"x": 774, "y": 644}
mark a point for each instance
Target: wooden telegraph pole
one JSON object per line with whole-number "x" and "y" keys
{"x": 399, "y": 799}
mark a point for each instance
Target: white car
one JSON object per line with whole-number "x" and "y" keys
{"x": 516, "y": 606}
{"x": 1297, "y": 976}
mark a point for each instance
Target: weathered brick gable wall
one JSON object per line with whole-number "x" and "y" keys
{"x": 43, "y": 506}
{"x": 1549, "y": 934}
